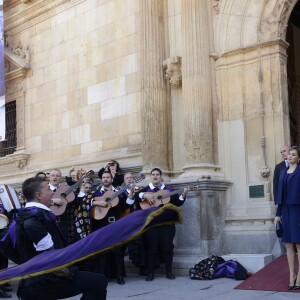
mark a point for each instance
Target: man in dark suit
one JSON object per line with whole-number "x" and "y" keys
{"x": 278, "y": 168}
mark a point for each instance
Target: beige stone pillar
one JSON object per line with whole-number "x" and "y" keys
{"x": 153, "y": 89}
{"x": 196, "y": 88}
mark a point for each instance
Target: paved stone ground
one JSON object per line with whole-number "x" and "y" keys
{"x": 183, "y": 288}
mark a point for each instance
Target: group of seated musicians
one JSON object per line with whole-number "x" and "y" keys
{"x": 89, "y": 209}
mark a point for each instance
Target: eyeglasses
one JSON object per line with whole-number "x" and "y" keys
{"x": 112, "y": 164}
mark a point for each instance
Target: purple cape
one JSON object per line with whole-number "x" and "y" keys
{"x": 104, "y": 239}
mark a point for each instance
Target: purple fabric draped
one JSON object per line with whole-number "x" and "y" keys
{"x": 97, "y": 242}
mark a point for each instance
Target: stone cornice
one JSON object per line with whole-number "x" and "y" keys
{"x": 20, "y": 159}
{"x": 36, "y": 13}
{"x": 252, "y": 47}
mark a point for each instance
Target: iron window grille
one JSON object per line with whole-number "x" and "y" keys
{"x": 9, "y": 145}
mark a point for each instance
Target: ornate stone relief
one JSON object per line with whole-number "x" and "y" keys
{"x": 215, "y": 4}
{"x": 18, "y": 49}
{"x": 172, "y": 67}
{"x": 274, "y": 24}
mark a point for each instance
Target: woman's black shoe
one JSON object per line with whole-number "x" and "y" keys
{"x": 292, "y": 287}
{"x": 296, "y": 287}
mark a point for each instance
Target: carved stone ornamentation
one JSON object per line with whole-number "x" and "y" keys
{"x": 6, "y": 66}
{"x": 172, "y": 68}
{"x": 274, "y": 24}
{"x": 215, "y": 4}
{"x": 14, "y": 87}
{"x": 20, "y": 159}
{"x": 18, "y": 49}
{"x": 265, "y": 172}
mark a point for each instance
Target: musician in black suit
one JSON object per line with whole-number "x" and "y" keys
{"x": 159, "y": 240}
{"x": 104, "y": 262}
{"x": 278, "y": 168}
{"x": 37, "y": 232}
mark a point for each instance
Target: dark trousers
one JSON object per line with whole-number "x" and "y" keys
{"x": 91, "y": 285}
{"x": 159, "y": 240}
{"x": 111, "y": 264}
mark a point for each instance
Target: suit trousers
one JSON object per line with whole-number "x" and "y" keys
{"x": 91, "y": 285}
{"x": 159, "y": 240}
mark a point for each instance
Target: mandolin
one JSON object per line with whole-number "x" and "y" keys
{"x": 66, "y": 194}
{"x": 99, "y": 212}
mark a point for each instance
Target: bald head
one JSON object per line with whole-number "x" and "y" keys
{"x": 284, "y": 151}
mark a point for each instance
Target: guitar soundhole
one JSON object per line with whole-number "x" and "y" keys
{"x": 107, "y": 199}
{"x": 159, "y": 197}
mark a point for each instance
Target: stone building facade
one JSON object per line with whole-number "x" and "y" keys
{"x": 208, "y": 90}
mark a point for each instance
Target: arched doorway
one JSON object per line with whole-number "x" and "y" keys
{"x": 293, "y": 73}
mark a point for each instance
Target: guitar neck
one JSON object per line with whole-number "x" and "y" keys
{"x": 117, "y": 193}
{"x": 124, "y": 188}
{"x": 73, "y": 187}
{"x": 172, "y": 193}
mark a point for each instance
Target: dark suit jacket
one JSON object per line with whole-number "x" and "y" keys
{"x": 278, "y": 168}
{"x": 293, "y": 190}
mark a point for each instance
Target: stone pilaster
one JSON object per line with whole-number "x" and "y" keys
{"x": 153, "y": 89}
{"x": 196, "y": 85}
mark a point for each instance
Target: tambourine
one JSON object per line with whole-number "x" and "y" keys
{"x": 3, "y": 221}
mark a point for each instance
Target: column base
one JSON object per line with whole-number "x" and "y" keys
{"x": 202, "y": 171}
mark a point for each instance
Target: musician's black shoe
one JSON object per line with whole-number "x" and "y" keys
{"x": 170, "y": 275}
{"x": 150, "y": 277}
{"x": 3, "y": 294}
{"x": 121, "y": 280}
{"x": 6, "y": 287}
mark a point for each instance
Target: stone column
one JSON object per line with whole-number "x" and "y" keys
{"x": 153, "y": 88}
{"x": 196, "y": 85}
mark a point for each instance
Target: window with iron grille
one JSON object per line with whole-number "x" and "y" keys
{"x": 9, "y": 145}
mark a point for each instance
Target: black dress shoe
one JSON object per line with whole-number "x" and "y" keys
{"x": 3, "y": 294}
{"x": 170, "y": 275}
{"x": 7, "y": 284}
{"x": 6, "y": 287}
{"x": 150, "y": 277}
{"x": 121, "y": 280}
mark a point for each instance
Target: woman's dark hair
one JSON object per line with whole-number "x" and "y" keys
{"x": 156, "y": 169}
{"x": 118, "y": 169}
{"x": 40, "y": 175}
{"x": 31, "y": 186}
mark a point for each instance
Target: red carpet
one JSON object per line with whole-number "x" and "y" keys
{"x": 273, "y": 277}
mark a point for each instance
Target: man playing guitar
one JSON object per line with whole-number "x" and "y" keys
{"x": 63, "y": 220}
{"x": 100, "y": 200}
{"x": 160, "y": 238}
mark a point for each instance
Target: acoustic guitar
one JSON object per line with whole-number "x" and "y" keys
{"x": 66, "y": 194}
{"x": 111, "y": 198}
{"x": 160, "y": 197}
